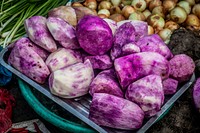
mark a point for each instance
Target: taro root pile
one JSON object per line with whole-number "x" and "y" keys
{"x": 126, "y": 71}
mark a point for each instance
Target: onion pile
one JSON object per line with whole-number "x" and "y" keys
{"x": 163, "y": 17}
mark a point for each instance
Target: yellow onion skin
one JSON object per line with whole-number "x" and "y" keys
{"x": 139, "y": 5}
{"x": 156, "y": 21}
{"x": 178, "y": 15}
{"x": 168, "y": 5}
{"x": 196, "y": 10}
{"x": 159, "y": 10}
{"x": 165, "y": 34}
{"x": 171, "y": 25}
{"x": 154, "y": 3}
{"x": 104, "y": 5}
{"x": 185, "y": 5}
{"x": 150, "y": 30}
{"x": 146, "y": 13}
{"x": 92, "y": 4}
{"x": 137, "y": 16}
{"x": 115, "y": 10}
{"x": 192, "y": 20}
{"x": 117, "y": 17}
{"x": 127, "y": 10}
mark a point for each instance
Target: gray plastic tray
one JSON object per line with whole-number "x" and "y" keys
{"x": 79, "y": 107}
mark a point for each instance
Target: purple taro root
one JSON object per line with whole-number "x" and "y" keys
{"x": 112, "y": 24}
{"x": 27, "y": 61}
{"x": 130, "y": 48}
{"x": 63, "y": 32}
{"x": 135, "y": 66}
{"x": 115, "y": 112}
{"x": 170, "y": 86}
{"x": 38, "y": 32}
{"x": 67, "y": 13}
{"x": 106, "y": 82}
{"x": 62, "y": 58}
{"x": 72, "y": 81}
{"x": 124, "y": 34}
{"x": 148, "y": 93}
{"x": 100, "y": 61}
{"x": 196, "y": 94}
{"x": 141, "y": 27}
{"x": 153, "y": 43}
{"x": 181, "y": 67}
{"x": 94, "y": 35}
{"x": 40, "y": 51}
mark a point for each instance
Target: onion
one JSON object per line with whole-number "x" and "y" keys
{"x": 154, "y": 3}
{"x": 178, "y": 15}
{"x": 159, "y": 10}
{"x": 126, "y": 2}
{"x": 117, "y": 17}
{"x": 104, "y": 11}
{"x": 92, "y": 4}
{"x": 156, "y": 21}
{"x": 146, "y": 13}
{"x": 115, "y": 2}
{"x": 137, "y": 15}
{"x": 147, "y": 2}
{"x": 127, "y": 10}
{"x": 185, "y": 5}
{"x": 168, "y": 5}
{"x": 115, "y": 10}
{"x": 196, "y": 10}
{"x": 171, "y": 25}
{"x": 104, "y": 5}
{"x": 167, "y": 17}
{"x": 165, "y": 34}
{"x": 150, "y": 30}
{"x": 192, "y": 20}
{"x": 102, "y": 16}
{"x": 139, "y": 5}
{"x": 76, "y": 4}
{"x": 193, "y": 28}
{"x": 191, "y": 2}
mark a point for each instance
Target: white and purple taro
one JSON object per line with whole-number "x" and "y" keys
{"x": 40, "y": 51}
{"x": 63, "y": 32}
{"x": 38, "y": 32}
{"x": 170, "y": 86}
{"x": 106, "y": 82}
{"x": 101, "y": 62}
{"x": 148, "y": 93}
{"x": 153, "y": 43}
{"x": 130, "y": 48}
{"x": 62, "y": 58}
{"x": 141, "y": 27}
{"x": 124, "y": 34}
{"x": 26, "y": 60}
{"x": 72, "y": 81}
{"x": 135, "y": 66}
{"x": 94, "y": 35}
{"x": 196, "y": 94}
{"x": 115, "y": 112}
{"x": 67, "y": 13}
{"x": 181, "y": 67}
{"x": 112, "y": 24}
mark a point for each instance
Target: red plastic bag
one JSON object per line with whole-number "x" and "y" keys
{"x": 7, "y": 101}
